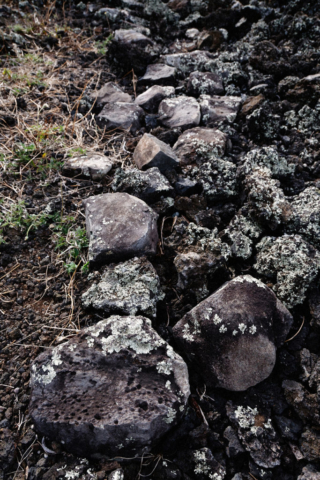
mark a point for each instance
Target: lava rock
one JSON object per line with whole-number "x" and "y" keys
{"x": 7, "y": 449}
{"x": 234, "y": 448}
{"x": 152, "y": 152}
{"x": 215, "y": 110}
{"x": 309, "y": 473}
{"x": 119, "y": 226}
{"x": 232, "y": 335}
{"x": 310, "y": 445}
{"x": 185, "y": 186}
{"x": 129, "y": 288}
{"x": 188, "y": 62}
{"x": 266, "y": 157}
{"x": 183, "y": 112}
{"x": 205, "y": 83}
{"x": 158, "y": 74}
{"x": 305, "y": 217}
{"x": 241, "y": 234}
{"x": 304, "y": 403}
{"x": 200, "y": 144}
{"x": 151, "y": 98}
{"x": 116, "y": 388}
{"x": 205, "y": 465}
{"x": 125, "y": 116}
{"x": 110, "y": 93}
{"x": 94, "y": 166}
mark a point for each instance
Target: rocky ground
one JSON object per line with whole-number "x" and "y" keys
{"x": 151, "y": 153}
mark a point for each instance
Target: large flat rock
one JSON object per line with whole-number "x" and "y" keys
{"x": 158, "y": 74}
{"x": 124, "y": 116}
{"x": 215, "y": 109}
{"x": 181, "y": 112}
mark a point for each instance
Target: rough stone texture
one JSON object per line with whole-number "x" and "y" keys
{"x": 234, "y": 448}
{"x": 94, "y": 166}
{"x": 200, "y": 144}
{"x": 215, "y": 110}
{"x": 126, "y": 116}
{"x": 310, "y": 445}
{"x": 188, "y": 62}
{"x": 111, "y": 93}
{"x": 267, "y": 157}
{"x": 150, "y": 185}
{"x": 218, "y": 179}
{"x": 205, "y": 465}
{"x": 7, "y": 449}
{"x": 186, "y": 186}
{"x": 291, "y": 263}
{"x": 205, "y": 83}
{"x": 241, "y": 234}
{"x": 119, "y": 226}
{"x": 309, "y": 473}
{"x": 129, "y": 288}
{"x": 116, "y": 388}
{"x": 257, "y": 435}
{"x": 152, "y": 152}
{"x": 151, "y": 98}
{"x": 304, "y": 403}
{"x": 305, "y": 218}
{"x": 181, "y": 112}
{"x": 158, "y": 74}
{"x": 251, "y": 103}
{"x": 232, "y": 335}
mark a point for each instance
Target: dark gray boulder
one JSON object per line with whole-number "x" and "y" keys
{"x": 124, "y": 116}
{"x": 110, "y": 93}
{"x": 116, "y": 388}
{"x": 152, "y": 152}
{"x": 151, "y": 98}
{"x": 158, "y": 74}
{"x": 199, "y": 145}
{"x": 183, "y": 112}
{"x": 232, "y": 335}
{"x": 205, "y": 83}
{"x": 215, "y": 110}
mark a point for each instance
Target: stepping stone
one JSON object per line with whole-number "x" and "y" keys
{"x": 216, "y": 109}
{"x": 110, "y": 93}
{"x": 199, "y": 145}
{"x": 181, "y": 112}
{"x": 93, "y": 166}
{"x": 116, "y": 388}
{"x": 231, "y": 336}
{"x": 207, "y": 83}
{"x": 125, "y": 116}
{"x": 129, "y": 288}
{"x": 151, "y": 98}
{"x": 119, "y": 226}
{"x": 158, "y": 74}
{"x": 152, "y": 152}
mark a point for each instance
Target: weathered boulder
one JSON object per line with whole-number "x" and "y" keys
{"x": 181, "y": 112}
{"x": 218, "y": 178}
{"x": 116, "y": 388}
{"x": 119, "y": 226}
{"x": 215, "y": 110}
{"x": 111, "y": 93}
{"x": 232, "y": 335}
{"x": 158, "y": 74}
{"x": 94, "y": 166}
{"x": 125, "y": 116}
{"x": 267, "y": 157}
{"x": 200, "y": 144}
{"x": 188, "y": 62}
{"x": 205, "y": 83}
{"x": 129, "y": 288}
{"x": 152, "y": 152}
{"x": 151, "y": 98}
{"x": 305, "y": 217}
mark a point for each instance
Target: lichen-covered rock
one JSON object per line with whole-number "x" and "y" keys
{"x": 125, "y": 116}
{"x": 94, "y": 166}
{"x": 188, "y": 62}
{"x": 304, "y": 403}
{"x": 305, "y": 217}
{"x": 152, "y": 152}
{"x": 205, "y": 83}
{"x": 119, "y": 226}
{"x": 309, "y": 473}
{"x": 263, "y": 124}
{"x": 116, "y": 388}
{"x": 291, "y": 263}
{"x": 257, "y": 435}
{"x": 180, "y": 111}
{"x": 206, "y": 466}
{"x": 310, "y": 445}
{"x": 232, "y": 335}
{"x": 111, "y": 93}
{"x": 215, "y": 109}
{"x": 158, "y": 74}
{"x": 150, "y": 185}
{"x": 241, "y": 234}
{"x": 151, "y": 98}
{"x": 218, "y": 178}
{"x": 129, "y": 288}
{"x": 267, "y": 157}
{"x": 234, "y": 448}
{"x": 199, "y": 145}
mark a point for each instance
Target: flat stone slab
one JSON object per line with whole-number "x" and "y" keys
{"x": 128, "y": 288}
{"x": 181, "y": 112}
{"x": 205, "y": 83}
{"x": 215, "y": 109}
{"x": 111, "y": 93}
{"x": 232, "y": 335}
{"x": 94, "y": 166}
{"x": 152, "y": 152}
{"x": 125, "y": 116}
{"x": 158, "y": 74}
{"x": 119, "y": 227}
{"x": 151, "y": 98}
{"x": 116, "y": 388}
{"x": 199, "y": 144}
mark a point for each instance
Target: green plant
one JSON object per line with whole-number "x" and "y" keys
{"x": 77, "y": 150}
{"x": 102, "y": 46}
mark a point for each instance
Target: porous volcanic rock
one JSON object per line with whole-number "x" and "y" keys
{"x": 125, "y": 116}
{"x": 232, "y": 335}
{"x": 111, "y": 93}
{"x": 94, "y": 166}
{"x": 152, "y": 152}
{"x": 309, "y": 473}
{"x": 180, "y": 111}
{"x": 128, "y": 288}
{"x": 151, "y": 98}
{"x": 119, "y": 226}
{"x": 205, "y": 83}
{"x": 188, "y": 62}
{"x": 116, "y": 388}
{"x": 158, "y": 74}
{"x": 215, "y": 109}
{"x": 305, "y": 217}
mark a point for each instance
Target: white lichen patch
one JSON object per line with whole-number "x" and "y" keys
{"x": 44, "y": 378}
{"x": 164, "y": 367}
{"x": 223, "y": 329}
{"x": 171, "y": 415}
{"x": 217, "y": 319}
{"x": 246, "y": 416}
{"x": 207, "y": 466}
{"x": 252, "y": 329}
{"x": 242, "y": 327}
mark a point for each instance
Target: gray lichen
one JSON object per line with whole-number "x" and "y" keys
{"x": 218, "y": 178}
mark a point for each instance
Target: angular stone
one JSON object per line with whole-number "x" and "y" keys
{"x": 251, "y": 103}
{"x": 151, "y": 98}
{"x": 111, "y": 93}
{"x": 125, "y": 116}
{"x": 304, "y": 403}
{"x": 205, "y": 83}
{"x": 232, "y": 335}
{"x": 188, "y": 62}
{"x": 129, "y": 288}
{"x": 119, "y": 226}
{"x": 115, "y": 388}
{"x": 310, "y": 445}
{"x": 152, "y": 152}
{"x": 185, "y": 186}
{"x": 218, "y": 179}
{"x": 181, "y": 112}
{"x": 305, "y": 217}
{"x": 267, "y": 157}
{"x": 309, "y": 473}
{"x": 158, "y": 74}
{"x": 199, "y": 144}
{"x": 94, "y": 166}
{"x": 234, "y": 449}
{"x": 215, "y": 110}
